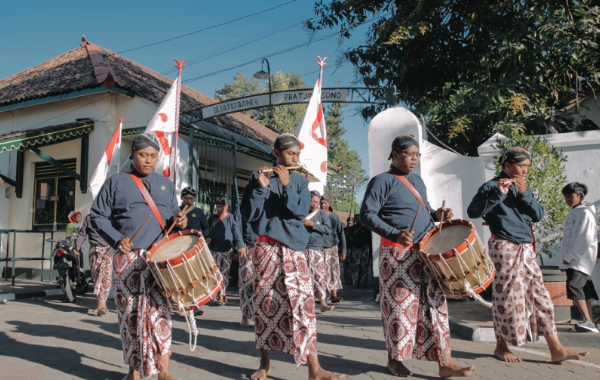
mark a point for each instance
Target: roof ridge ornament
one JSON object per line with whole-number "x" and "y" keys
{"x": 100, "y": 63}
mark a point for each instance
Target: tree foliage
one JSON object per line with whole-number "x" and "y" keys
{"x": 473, "y": 67}
{"x": 546, "y": 178}
{"x": 341, "y": 185}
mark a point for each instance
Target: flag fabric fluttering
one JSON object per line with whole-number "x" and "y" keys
{"x": 312, "y": 133}
{"x": 163, "y": 125}
{"x": 109, "y": 159}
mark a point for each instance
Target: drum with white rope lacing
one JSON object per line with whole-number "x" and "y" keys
{"x": 457, "y": 259}
{"x": 185, "y": 269}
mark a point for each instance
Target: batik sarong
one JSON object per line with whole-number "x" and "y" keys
{"x": 413, "y": 308}
{"x": 360, "y": 265}
{"x": 318, "y": 272}
{"x": 223, "y": 260}
{"x": 522, "y": 306}
{"x": 101, "y": 272}
{"x": 332, "y": 260}
{"x": 143, "y": 313}
{"x": 284, "y": 306}
{"x": 347, "y": 266}
{"x": 246, "y": 284}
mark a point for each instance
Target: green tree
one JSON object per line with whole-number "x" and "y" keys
{"x": 476, "y": 67}
{"x": 342, "y": 185}
{"x": 344, "y": 182}
{"x": 281, "y": 119}
{"x": 546, "y": 178}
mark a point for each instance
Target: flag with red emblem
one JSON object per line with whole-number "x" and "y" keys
{"x": 110, "y": 159}
{"x": 313, "y": 135}
{"x": 164, "y": 124}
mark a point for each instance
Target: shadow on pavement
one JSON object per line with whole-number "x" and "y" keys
{"x": 67, "y": 333}
{"x": 345, "y": 341}
{"x": 60, "y": 359}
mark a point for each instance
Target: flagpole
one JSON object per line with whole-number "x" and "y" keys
{"x": 179, "y": 66}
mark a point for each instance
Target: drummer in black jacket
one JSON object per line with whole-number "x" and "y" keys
{"x": 196, "y": 218}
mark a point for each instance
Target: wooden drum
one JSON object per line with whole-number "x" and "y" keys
{"x": 457, "y": 259}
{"x": 185, "y": 269}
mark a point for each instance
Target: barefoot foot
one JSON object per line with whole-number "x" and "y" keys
{"x": 263, "y": 371}
{"x": 454, "y": 370}
{"x": 325, "y": 375}
{"x": 244, "y": 322}
{"x": 396, "y": 368}
{"x": 506, "y": 355}
{"x": 566, "y": 354}
{"x": 165, "y": 376}
{"x": 327, "y": 308}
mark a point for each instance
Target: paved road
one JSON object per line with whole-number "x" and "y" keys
{"x": 47, "y": 338}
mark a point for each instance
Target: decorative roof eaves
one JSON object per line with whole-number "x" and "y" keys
{"x": 65, "y": 96}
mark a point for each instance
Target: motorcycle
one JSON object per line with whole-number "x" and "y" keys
{"x": 71, "y": 278}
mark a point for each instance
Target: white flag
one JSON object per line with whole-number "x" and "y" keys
{"x": 109, "y": 159}
{"x": 313, "y": 135}
{"x": 163, "y": 126}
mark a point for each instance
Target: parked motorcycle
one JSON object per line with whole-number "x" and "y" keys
{"x": 71, "y": 278}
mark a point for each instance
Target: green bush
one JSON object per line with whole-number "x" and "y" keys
{"x": 546, "y": 179}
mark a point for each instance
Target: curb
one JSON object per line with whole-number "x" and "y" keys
{"x": 466, "y": 331}
{"x": 42, "y": 293}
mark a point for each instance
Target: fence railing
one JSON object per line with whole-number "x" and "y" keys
{"x": 9, "y": 239}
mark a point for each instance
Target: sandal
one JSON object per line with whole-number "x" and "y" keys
{"x": 331, "y": 308}
{"x": 220, "y": 303}
{"x": 102, "y": 311}
{"x": 336, "y": 299}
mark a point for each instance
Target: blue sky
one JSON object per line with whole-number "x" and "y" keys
{"x": 35, "y": 31}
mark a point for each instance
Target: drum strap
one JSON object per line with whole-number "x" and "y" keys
{"x": 412, "y": 190}
{"x": 148, "y": 199}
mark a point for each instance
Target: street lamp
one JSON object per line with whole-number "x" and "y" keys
{"x": 262, "y": 74}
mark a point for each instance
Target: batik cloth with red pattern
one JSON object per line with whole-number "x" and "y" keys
{"x": 223, "y": 260}
{"x": 246, "y": 284}
{"x": 101, "y": 272}
{"x": 522, "y": 307}
{"x": 332, "y": 260}
{"x": 318, "y": 271}
{"x": 413, "y": 308}
{"x": 284, "y": 306}
{"x": 143, "y": 312}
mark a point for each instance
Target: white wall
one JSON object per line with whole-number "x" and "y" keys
{"x": 105, "y": 109}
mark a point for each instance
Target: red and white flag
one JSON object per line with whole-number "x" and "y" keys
{"x": 109, "y": 159}
{"x": 163, "y": 125}
{"x": 313, "y": 135}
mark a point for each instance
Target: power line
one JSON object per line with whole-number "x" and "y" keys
{"x": 275, "y": 53}
{"x": 207, "y": 28}
{"x": 250, "y": 40}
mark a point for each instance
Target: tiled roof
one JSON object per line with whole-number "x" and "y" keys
{"x": 73, "y": 71}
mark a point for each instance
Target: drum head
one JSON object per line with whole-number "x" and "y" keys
{"x": 450, "y": 238}
{"x": 175, "y": 247}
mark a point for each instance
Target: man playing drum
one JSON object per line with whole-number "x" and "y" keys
{"x": 225, "y": 236}
{"x": 196, "y": 218}
{"x": 411, "y": 301}
{"x": 284, "y": 307}
{"x": 521, "y": 303}
{"x": 119, "y": 210}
